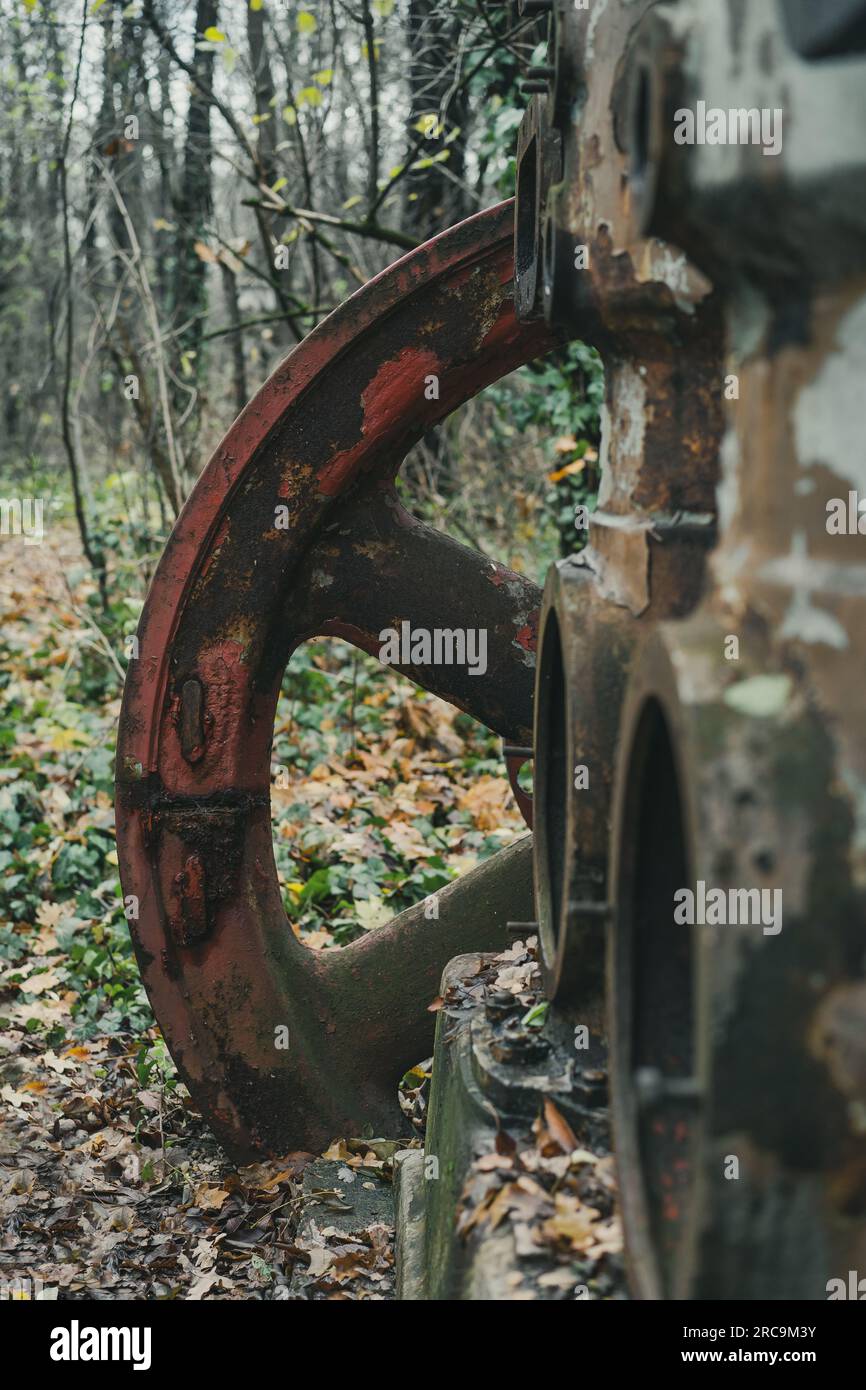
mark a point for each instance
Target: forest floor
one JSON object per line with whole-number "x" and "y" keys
{"x": 111, "y": 1185}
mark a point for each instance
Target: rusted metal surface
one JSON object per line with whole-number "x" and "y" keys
{"x": 726, "y": 292}
{"x": 736, "y": 415}
{"x": 516, "y": 759}
{"x": 658, "y": 326}
{"x": 294, "y": 530}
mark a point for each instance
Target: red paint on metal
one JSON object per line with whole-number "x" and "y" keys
{"x": 237, "y": 972}
{"x": 527, "y": 637}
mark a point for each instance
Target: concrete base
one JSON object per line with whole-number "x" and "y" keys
{"x": 474, "y": 1095}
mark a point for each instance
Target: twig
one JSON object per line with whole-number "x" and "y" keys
{"x": 138, "y": 264}
{"x": 310, "y": 313}
{"x": 390, "y": 235}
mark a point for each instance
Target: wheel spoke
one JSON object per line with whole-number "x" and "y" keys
{"x": 376, "y": 569}
{"x": 381, "y": 987}
{"x": 287, "y": 490}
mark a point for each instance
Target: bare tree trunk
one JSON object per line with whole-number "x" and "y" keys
{"x": 193, "y": 204}
{"x": 434, "y": 198}
{"x": 93, "y": 552}
{"x": 264, "y": 93}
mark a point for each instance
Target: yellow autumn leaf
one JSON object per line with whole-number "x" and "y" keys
{"x": 64, "y": 739}
{"x": 306, "y": 22}
{"x": 214, "y": 35}
{"x": 337, "y": 1150}
{"x": 323, "y": 76}
{"x": 290, "y": 115}
{"x": 309, "y": 96}
{"x": 576, "y": 466}
{"x": 256, "y": 4}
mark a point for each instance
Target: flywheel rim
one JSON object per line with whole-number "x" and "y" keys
{"x": 193, "y": 756}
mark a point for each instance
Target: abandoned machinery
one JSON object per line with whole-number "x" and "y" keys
{"x": 691, "y": 682}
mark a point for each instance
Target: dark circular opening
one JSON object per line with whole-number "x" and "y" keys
{"x": 552, "y": 787}
{"x": 656, "y": 991}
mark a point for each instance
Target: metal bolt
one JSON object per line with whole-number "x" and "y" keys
{"x": 590, "y": 1085}
{"x": 533, "y": 86}
{"x": 517, "y": 1045}
{"x": 500, "y": 1004}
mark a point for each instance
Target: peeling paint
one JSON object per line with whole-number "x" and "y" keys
{"x": 829, "y": 429}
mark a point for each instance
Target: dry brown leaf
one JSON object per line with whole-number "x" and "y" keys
{"x": 559, "y": 1127}
{"x": 210, "y": 1198}
{"x": 49, "y": 979}
{"x": 321, "y": 1260}
{"x": 572, "y": 1222}
{"x": 338, "y": 1150}
{"x": 206, "y": 1283}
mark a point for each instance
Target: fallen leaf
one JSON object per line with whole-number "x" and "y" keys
{"x": 321, "y": 1260}
{"x": 210, "y": 1198}
{"x": 559, "y": 1127}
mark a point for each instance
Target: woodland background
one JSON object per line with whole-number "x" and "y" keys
{"x": 154, "y": 158}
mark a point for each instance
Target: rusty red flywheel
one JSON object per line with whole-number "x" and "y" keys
{"x": 234, "y": 594}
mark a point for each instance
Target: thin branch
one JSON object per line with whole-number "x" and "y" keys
{"x": 366, "y": 229}
{"x": 204, "y": 87}
{"x": 137, "y": 261}
{"x": 311, "y": 313}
